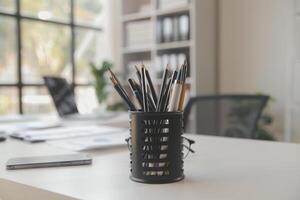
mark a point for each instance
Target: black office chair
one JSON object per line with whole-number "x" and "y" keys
{"x": 226, "y": 115}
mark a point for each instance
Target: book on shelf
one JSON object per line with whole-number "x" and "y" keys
{"x": 184, "y": 27}
{"x": 139, "y": 33}
{"x": 167, "y": 29}
{"x": 175, "y": 28}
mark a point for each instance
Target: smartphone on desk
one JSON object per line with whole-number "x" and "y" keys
{"x": 48, "y": 161}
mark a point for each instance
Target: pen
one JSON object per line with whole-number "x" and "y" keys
{"x": 138, "y": 88}
{"x": 140, "y": 94}
{"x": 182, "y": 94}
{"x": 166, "y": 96}
{"x": 135, "y": 92}
{"x": 171, "y": 95}
{"x": 162, "y": 89}
{"x": 138, "y": 73}
{"x": 151, "y": 86}
{"x": 151, "y": 102}
{"x": 176, "y": 91}
{"x": 169, "y": 89}
{"x": 144, "y": 91}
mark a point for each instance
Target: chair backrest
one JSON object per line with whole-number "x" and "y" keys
{"x": 226, "y": 115}
{"x": 62, "y": 95}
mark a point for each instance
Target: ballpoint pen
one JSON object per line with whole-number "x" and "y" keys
{"x": 144, "y": 91}
{"x": 176, "y": 91}
{"x": 169, "y": 88}
{"x": 162, "y": 89}
{"x": 152, "y": 106}
{"x": 182, "y": 94}
{"x": 154, "y": 96}
{"x": 138, "y": 74}
{"x": 136, "y": 92}
{"x": 165, "y": 99}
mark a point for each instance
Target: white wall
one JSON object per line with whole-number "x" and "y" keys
{"x": 254, "y": 49}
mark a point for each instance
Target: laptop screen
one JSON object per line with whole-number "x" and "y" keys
{"x": 62, "y": 95}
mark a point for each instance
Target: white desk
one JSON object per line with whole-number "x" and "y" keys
{"x": 222, "y": 168}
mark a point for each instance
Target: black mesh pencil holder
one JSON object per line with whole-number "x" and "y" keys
{"x": 156, "y": 147}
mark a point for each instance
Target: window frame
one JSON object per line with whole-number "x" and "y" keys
{"x": 70, "y": 24}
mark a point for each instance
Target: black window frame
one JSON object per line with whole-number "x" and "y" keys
{"x": 18, "y": 16}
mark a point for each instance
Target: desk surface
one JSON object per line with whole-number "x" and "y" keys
{"x": 222, "y": 168}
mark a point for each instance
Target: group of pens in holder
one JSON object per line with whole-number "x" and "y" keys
{"x": 170, "y": 98}
{"x": 156, "y": 143}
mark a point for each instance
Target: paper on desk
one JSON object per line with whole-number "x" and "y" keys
{"x": 93, "y": 142}
{"x": 16, "y": 128}
{"x": 66, "y": 132}
{"x": 16, "y": 118}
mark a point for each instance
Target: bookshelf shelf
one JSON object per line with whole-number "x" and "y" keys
{"x": 141, "y": 49}
{"x": 174, "y": 11}
{"x": 136, "y": 17}
{"x": 173, "y": 45}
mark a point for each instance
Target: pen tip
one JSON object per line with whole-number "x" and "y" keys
{"x": 168, "y": 67}
{"x": 136, "y": 67}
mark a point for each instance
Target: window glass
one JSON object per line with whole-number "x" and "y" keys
{"x": 9, "y": 100}
{"x": 88, "y": 49}
{"x": 45, "y": 51}
{"x": 89, "y": 12}
{"x": 8, "y": 5}
{"x": 47, "y": 9}
{"x": 8, "y": 55}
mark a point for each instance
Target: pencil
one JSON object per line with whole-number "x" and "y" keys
{"x": 117, "y": 82}
{"x": 152, "y": 106}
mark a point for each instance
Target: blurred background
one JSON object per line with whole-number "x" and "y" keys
{"x": 231, "y": 46}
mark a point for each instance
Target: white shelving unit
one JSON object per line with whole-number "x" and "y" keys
{"x": 292, "y": 116}
{"x": 201, "y": 47}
